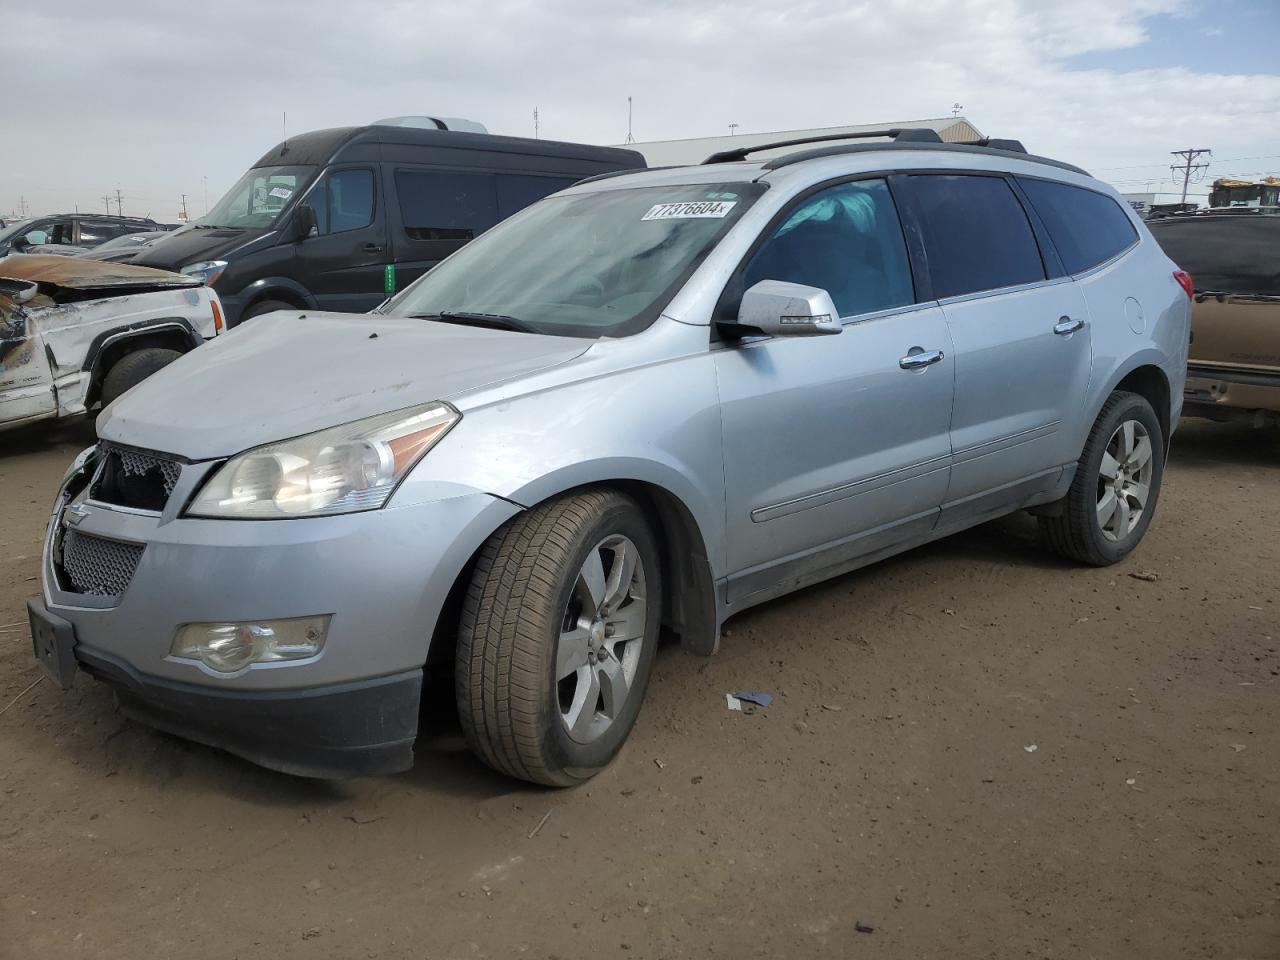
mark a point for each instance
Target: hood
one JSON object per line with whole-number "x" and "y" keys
{"x": 287, "y": 374}
{"x": 195, "y": 244}
{"x": 73, "y": 273}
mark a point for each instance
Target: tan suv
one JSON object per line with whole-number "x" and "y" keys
{"x": 1233, "y": 371}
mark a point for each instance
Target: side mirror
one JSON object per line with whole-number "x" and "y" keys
{"x": 782, "y": 309}
{"x": 304, "y": 222}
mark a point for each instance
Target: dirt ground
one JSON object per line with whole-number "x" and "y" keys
{"x": 976, "y": 750}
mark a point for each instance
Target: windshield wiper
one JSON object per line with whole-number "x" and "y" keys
{"x": 494, "y": 321}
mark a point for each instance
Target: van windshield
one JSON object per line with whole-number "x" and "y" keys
{"x": 257, "y": 198}
{"x": 592, "y": 265}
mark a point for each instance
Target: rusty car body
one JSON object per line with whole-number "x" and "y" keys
{"x": 76, "y": 333}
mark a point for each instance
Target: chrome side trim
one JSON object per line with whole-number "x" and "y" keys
{"x": 850, "y": 489}
{"x": 973, "y": 451}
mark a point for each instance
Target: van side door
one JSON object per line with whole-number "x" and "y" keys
{"x": 835, "y": 447}
{"x": 344, "y": 263}
{"x": 1022, "y": 341}
{"x": 438, "y": 210}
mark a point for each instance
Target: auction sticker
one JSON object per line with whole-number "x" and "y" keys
{"x": 697, "y": 209}
{"x": 283, "y": 193}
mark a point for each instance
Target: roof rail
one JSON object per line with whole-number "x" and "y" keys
{"x": 897, "y": 134}
{"x": 993, "y": 143}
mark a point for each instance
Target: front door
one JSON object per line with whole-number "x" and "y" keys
{"x": 834, "y": 446}
{"x": 344, "y": 264}
{"x": 1022, "y": 351}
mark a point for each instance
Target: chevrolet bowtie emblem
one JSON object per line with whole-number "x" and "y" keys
{"x": 74, "y": 514}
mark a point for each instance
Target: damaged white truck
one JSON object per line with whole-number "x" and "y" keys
{"x": 75, "y": 334}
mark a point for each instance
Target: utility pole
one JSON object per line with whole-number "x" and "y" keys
{"x": 22, "y": 207}
{"x": 630, "y": 138}
{"x": 956, "y": 108}
{"x": 119, "y": 204}
{"x": 732, "y": 127}
{"x": 185, "y": 218}
{"x": 535, "y": 123}
{"x": 107, "y": 201}
{"x": 1189, "y": 165}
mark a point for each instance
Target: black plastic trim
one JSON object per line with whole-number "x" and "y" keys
{"x": 363, "y": 728}
{"x": 108, "y": 337}
{"x": 836, "y": 151}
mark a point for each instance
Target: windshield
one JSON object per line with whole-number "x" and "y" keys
{"x": 599, "y": 264}
{"x": 257, "y": 198}
{"x": 11, "y": 231}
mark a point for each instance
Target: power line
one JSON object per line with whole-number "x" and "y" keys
{"x": 1139, "y": 166}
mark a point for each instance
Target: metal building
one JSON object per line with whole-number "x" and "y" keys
{"x": 663, "y": 153}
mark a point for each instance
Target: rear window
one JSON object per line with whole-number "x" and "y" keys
{"x": 1227, "y": 253}
{"x": 1087, "y": 227}
{"x": 976, "y": 235}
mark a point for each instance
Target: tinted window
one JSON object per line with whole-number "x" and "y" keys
{"x": 446, "y": 206}
{"x": 516, "y": 191}
{"x": 1085, "y": 226}
{"x": 344, "y": 201}
{"x": 976, "y": 235}
{"x": 846, "y": 240}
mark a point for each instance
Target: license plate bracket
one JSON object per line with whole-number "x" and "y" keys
{"x": 53, "y": 642}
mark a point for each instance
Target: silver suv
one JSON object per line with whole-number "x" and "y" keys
{"x": 650, "y": 401}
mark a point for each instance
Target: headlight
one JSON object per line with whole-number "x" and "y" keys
{"x": 206, "y": 270}
{"x": 340, "y": 470}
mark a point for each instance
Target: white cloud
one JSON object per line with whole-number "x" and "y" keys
{"x": 151, "y": 96}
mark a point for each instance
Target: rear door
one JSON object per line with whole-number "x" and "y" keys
{"x": 833, "y": 448}
{"x": 344, "y": 265}
{"x": 1021, "y": 335}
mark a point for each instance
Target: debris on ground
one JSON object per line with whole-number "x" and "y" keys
{"x": 1146, "y": 575}
{"x": 732, "y": 702}
{"x": 1031, "y": 748}
{"x": 541, "y": 823}
{"x": 751, "y": 696}
{"x": 863, "y": 927}
{"x": 832, "y": 706}
{"x": 659, "y": 764}
{"x": 362, "y": 816}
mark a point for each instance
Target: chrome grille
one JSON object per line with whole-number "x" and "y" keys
{"x": 98, "y": 566}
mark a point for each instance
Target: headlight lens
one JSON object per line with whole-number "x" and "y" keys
{"x": 340, "y": 470}
{"x": 207, "y": 270}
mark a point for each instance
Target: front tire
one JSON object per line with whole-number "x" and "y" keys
{"x": 131, "y": 369}
{"x": 1117, "y": 483}
{"x": 557, "y": 637}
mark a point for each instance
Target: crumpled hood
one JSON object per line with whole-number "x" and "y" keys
{"x": 287, "y": 374}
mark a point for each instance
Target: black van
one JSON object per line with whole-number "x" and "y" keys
{"x": 340, "y": 219}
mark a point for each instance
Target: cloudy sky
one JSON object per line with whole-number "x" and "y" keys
{"x": 155, "y": 97}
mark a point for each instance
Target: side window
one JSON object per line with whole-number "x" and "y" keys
{"x": 517, "y": 190}
{"x": 446, "y": 206}
{"x": 847, "y": 240}
{"x": 1087, "y": 227}
{"x": 343, "y": 201}
{"x": 976, "y": 234}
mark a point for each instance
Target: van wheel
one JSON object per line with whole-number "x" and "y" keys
{"x": 1117, "y": 483}
{"x": 264, "y": 306}
{"x": 558, "y": 632}
{"x": 131, "y": 369}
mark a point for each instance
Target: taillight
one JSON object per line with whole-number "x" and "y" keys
{"x": 1184, "y": 281}
{"x": 217, "y": 314}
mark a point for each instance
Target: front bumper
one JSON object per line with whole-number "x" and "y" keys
{"x": 384, "y": 577}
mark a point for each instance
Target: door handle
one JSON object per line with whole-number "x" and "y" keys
{"x": 1067, "y": 326}
{"x": 918, "y": 357}
{"x": 374, "y": 247}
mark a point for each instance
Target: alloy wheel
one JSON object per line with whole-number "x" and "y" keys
{"x": 1124, "y": 480}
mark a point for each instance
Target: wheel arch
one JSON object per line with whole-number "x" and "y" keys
{"x": 274, "y": 288}
{"x": 110, "y": 347}
{"x": 1144, "y": 375}
{"x": 690, "y": 609}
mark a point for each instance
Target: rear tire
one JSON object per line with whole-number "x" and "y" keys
{"x": 264, "y": 306}
{"x": 1117, "y": 484}
{"x": 557, "y": 636}
{"x": 131, "y": 369}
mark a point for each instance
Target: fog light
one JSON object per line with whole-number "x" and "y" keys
{"x": 228, "y": 647}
